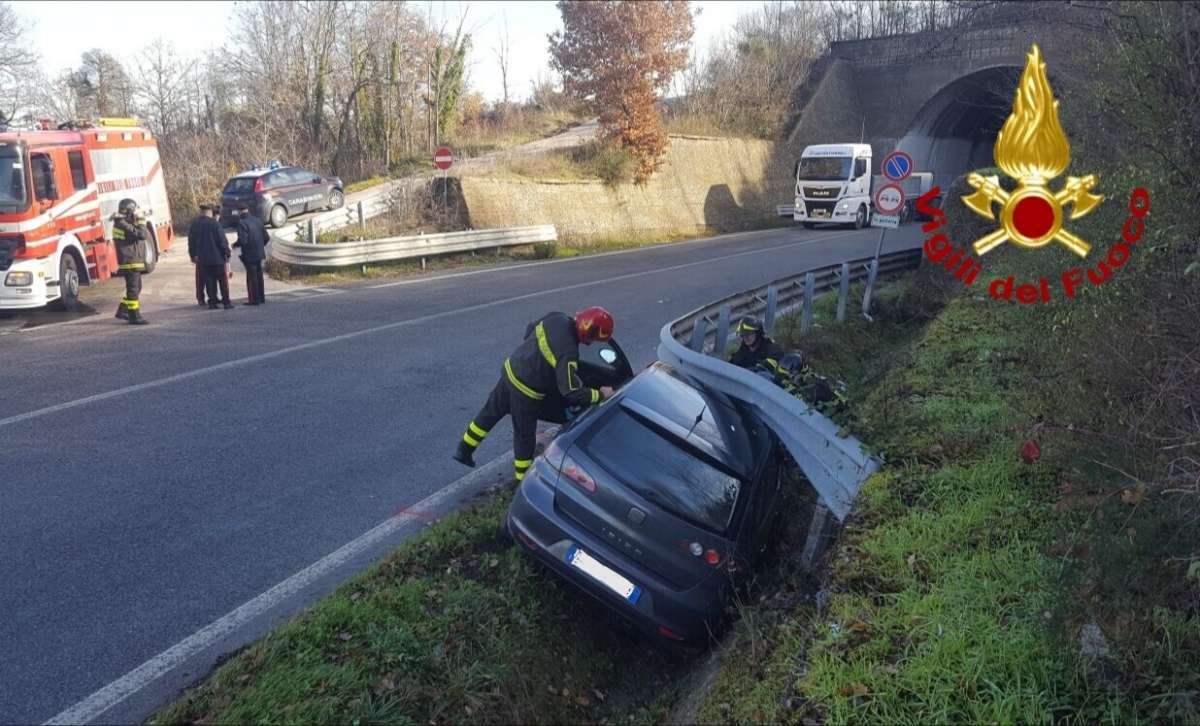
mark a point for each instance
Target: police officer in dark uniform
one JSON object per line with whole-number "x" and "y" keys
{"x": 209, "y": 249}
{"x": 756, "y": 350}
{"x": 540, "y": 380}
{"x": 129, "y": 236}
{"x": 252, "y": 239}
{"x": 193, "y": 232}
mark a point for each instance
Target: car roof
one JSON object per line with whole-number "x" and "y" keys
{"x": 255, "y": 173}
{"x": 694, "y": 413}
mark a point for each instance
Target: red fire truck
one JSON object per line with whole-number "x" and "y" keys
{"x": 59, "y": 190}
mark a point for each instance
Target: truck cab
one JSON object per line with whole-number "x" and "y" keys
{"x": 834, "y": 184}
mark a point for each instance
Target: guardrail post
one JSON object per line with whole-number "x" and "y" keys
{"x": 312, "y": 233}
{"x": 772, "y": 308}
{"x": 698, "y": 331}
{"x": 722, "y": 331}
{"x": 422, "y": 264}
{"x": 866, "y": 308}
{"x": 362, "y": 216}
{"x": 843, "y": 292}
{"x": 806, "y": 321}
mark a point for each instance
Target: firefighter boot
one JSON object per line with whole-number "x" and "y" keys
{"x": 135, "y": 318}
{"x": 465, "y": 454}
{"x": 122, "y": 312}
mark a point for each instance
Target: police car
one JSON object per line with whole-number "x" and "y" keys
{"x": 275, "y": 192}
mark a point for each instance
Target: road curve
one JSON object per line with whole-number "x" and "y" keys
{"x": 157, "y": 478}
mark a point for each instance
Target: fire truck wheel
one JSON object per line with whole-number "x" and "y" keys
{"x": 151, "y": 251}
{"x": 68, "y": 281}
{"x": 336, "y": 199}
{"x": 278, "y": 216}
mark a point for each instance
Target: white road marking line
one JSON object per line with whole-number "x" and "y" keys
{"x": 134, "y": 681}
{"x": 369, "y": 331}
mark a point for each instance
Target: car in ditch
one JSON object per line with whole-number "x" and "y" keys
{"x": 659, "y": 502}
{"x": 275, "y": 192}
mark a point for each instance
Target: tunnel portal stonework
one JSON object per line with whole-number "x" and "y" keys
{"x": 941, "y": 96}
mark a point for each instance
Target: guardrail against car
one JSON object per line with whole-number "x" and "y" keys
{"x": 836, "y": 465}
{"x": 343, "y": 254}
{"x": 354, "y": 213}
{"x": 785, "y": 210}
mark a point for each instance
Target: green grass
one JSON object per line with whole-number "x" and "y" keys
{"x": 455, "y": 626}
{"x": 358, "y": 186}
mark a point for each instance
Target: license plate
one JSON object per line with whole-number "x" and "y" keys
{"x": 614, "y": 581}
{"x": 820, "y": 213}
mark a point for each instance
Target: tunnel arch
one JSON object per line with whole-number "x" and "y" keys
{"x": 955, "y": 130}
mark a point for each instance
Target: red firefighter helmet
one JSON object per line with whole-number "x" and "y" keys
{"x": 594, "y": 323}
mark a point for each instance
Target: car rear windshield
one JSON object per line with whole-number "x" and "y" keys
{"x": 656, "y": 466}
{"x": 240, "y": 185}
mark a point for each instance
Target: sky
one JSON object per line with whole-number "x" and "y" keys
{"x": 61, "y": 31}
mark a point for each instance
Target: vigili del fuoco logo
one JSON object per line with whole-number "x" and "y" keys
{"x": 1032, "y": 149}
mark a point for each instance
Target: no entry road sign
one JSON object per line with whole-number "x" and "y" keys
{"x": 443, "y": 158}
{"x": 897, "y": 165}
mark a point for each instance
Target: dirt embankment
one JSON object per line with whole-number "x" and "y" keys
{"x": 704, "y": 184}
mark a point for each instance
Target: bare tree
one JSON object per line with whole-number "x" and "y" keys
{"x": 101, "y": 85}
{"x": 161, "y": 76}
{"x": 503, "y": 59}
{"x": 17, "y": 64}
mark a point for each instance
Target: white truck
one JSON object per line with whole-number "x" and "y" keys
{"x": 834, "y": 184}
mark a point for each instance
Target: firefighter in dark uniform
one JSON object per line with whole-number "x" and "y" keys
{"x": 757, "y": 350}
{"x": 540, "y": 380}
{"x": 129, "y": 236}
{"x": 209, "y": 249}
{"x": 252, "y": 239}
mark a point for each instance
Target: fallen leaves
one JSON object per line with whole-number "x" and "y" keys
{"x": 1133, "y": 496}
{"x": 1030, "y": 452}
{"x": 854, "y": 689}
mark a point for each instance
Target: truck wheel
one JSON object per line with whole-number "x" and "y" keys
{"x": 278, "y": 216}
{"x": 68, "y": 284}
{"x": 809, "y": 225}
{"x": 860, "y": 218}
{"x": 336, "y": 199}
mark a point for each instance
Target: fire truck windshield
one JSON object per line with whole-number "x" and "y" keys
{"x": 13, "y": 195}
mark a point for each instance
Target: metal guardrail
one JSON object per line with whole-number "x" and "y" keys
{"x": 404, "y": 248}
{"x": 355, "y": 213}
{"x": 837, "y": 466}
{"x": 785, "y": 210}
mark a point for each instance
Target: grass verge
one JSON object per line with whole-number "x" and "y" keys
{"x": 974, "y": 585}
{"x": 455, "y": 626}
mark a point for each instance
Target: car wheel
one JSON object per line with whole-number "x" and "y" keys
{"x": 151, "y": 251}
{"x": 860, "y": 218}
{"x": 809, "y": 225}
{"x": 68, "y": 284}
{"x": 336, "y": 199}
{"x": 278, "y": 216}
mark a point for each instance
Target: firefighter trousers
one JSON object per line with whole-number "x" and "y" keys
{"x": 133, "y": 289}
{"x": 505, "y": 400}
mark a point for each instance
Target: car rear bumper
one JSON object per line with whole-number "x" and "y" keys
{"x": 543, "y": 532}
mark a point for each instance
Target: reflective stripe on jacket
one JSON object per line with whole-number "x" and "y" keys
{"x": 548, "y": 361}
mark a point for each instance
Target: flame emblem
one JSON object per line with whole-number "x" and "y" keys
{"x": 1032, "y": 149}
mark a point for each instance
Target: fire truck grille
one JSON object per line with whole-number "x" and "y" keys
{"x": 7, "y": 250}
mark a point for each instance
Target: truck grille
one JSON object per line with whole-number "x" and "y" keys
{"x": 819, "y": 209}
{"x": 8, "y": 248}
{"x": 819, "y": 193}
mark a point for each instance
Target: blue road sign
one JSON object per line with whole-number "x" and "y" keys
{"x": 897, "y": 165}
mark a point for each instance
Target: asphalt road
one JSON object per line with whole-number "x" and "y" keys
{"x": 156, "y": 478}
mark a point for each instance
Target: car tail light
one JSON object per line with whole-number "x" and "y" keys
{"x": 576, "y": 474}
{"x": 712, "y": 557}
{"x": 667, "y": 632}
{"x": 258, "y": 185}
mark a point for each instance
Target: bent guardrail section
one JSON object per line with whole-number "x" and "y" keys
{"x": 836, "y": 466}
{"x": 392, "y": 249}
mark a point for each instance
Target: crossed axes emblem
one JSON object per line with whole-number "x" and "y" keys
{"x": 1032, "y": 215}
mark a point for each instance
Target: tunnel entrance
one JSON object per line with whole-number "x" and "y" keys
{"x": 955, "y": 130}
